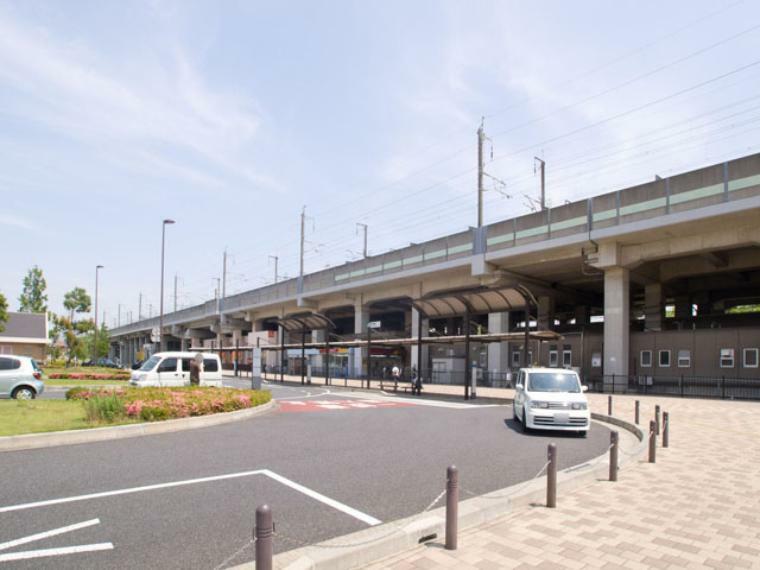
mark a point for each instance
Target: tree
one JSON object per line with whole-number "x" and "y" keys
{"x": 77, "y": 301}
{"x": 103, "y": 342}
{"x": 33, "y": 298}
{"x": 3, "y": 312}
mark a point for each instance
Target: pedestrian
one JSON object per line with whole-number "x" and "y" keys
{"x": 396, "y": 372}
{"x": 195, "y": 370}
{"x": 416, "y": 382}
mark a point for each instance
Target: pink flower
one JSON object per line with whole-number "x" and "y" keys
{"x": 134, "y": 409}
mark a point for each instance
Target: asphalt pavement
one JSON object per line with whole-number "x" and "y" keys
{"x": 328, "y": 463}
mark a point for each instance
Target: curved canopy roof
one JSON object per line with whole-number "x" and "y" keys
{"x": 306, "y": 322}
{"x": 477, "y": 300}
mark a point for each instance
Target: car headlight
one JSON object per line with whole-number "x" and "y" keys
{"x": 579, "y": 406}
{"x": 538, "y": 404}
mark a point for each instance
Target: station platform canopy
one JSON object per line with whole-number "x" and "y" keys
{"x": 474, "y": 301}
{"x": 306, "y": 322}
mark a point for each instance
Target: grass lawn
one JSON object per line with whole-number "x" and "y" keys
{"x": 36, "y": 416}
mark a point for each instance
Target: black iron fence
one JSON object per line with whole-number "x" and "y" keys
{"x": 684, "y": 386}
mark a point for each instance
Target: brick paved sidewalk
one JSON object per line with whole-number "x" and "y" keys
{"x": 697, "y": 507}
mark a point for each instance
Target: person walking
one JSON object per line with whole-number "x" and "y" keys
{"x": 195, "y": 370}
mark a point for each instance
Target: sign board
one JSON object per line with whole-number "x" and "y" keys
{"x": 374, "y": 324}
{"x": 154, "y": 336}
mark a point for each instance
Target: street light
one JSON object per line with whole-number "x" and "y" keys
{"x": 95, "y": 334}
{"x": 161, "y": 314}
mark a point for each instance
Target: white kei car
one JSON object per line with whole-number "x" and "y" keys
{"x": 551, "y": 398}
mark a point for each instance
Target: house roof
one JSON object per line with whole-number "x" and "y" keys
{"x": 25, "y": 326}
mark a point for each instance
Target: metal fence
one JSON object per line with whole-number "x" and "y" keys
{"x": 723, "y": 387}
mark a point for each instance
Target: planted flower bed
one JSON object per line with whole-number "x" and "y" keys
{"x": 111, "y": 405}
{"x": 87, "y": 376}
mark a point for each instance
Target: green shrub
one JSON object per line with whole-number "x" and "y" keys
{"x": 104, "y": 409}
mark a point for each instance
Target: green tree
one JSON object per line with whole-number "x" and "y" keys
{"x": 103, "y": 342}
{"x": 77, "y": 301}
{"x": 33, "y": 298}
{"x": 3, "y": 312}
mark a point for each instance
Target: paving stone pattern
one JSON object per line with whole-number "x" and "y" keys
{"x": 697, "y": 507}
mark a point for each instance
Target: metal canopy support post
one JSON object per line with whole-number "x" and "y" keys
{"x": 527, "y": 336}
{"x": 369, "y": 353}
{"x": 282, "y": 353}
{"x": 419, "y": 348}
{"x": 466, "y": 353}
{"x": 327, "y": 358}
{"x": 303, "y": 355}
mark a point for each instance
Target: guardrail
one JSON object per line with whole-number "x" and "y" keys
{"x": 684, "y": 386}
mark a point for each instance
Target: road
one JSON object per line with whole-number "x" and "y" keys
{"x": 328, "y": 463}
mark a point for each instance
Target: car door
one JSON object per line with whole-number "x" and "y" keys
{"x": 185, "y": 371}
{"x": 168, "y": 373}
{"x": 7, "y": 375}
{"x": 520, "y": 390}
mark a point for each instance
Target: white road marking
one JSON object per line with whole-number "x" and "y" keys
{"x": 47, "y": 534}
{"x": 27, "y": 554}
{"x": 372, "y": 521}
{"x": 271, "y": 474}
{"x": 420, "y": 402}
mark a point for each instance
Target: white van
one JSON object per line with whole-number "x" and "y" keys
{"x": 173, "y": 369}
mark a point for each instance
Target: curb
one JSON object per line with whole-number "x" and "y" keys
{"x": 381, "y": 541}
{"x": 74, "y": 437}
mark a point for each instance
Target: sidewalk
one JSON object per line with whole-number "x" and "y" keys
{"x": 697, "y": 507}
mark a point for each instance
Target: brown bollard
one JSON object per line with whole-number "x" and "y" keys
{"x": 637, "y": 414}
{"x": 652, "y": 441}
{"x": 263, "y": 533}
{"x": 665, "y": 429}
{"x": 452, "y": 506}
{"x": 609, "y": 405}
{"x": 614, "y": 441}
{"x": 551, "y": 477}
{"x": 657, "y": 418}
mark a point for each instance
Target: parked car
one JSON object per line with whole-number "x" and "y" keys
{"x": 137, "y": 364}
{"x": 20, "y": 378}
{"x": 103, "y": 362}
{"x": 550, "y": 398}
{"x": 173, "y": 369}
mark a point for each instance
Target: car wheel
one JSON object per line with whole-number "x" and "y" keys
{"x": 524, "y": 422}
{"x": 24, "y": 393}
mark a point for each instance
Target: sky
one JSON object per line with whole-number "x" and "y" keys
{"x": 230, "y": 117}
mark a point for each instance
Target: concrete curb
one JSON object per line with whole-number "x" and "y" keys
{"x": 370, "y": 545}
{"x": 73, "y": 437}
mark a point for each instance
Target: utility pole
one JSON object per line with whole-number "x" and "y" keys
{"x": 276, "y": 260}
{"x": 175, "y": 292}
{"x": 364, "y": 227}
{"x": 543, "y": 181}
{"x": 139, "y": 309}
{"x": 150, "y": 310}
{"x": 481, "y": 139}
{"x": 224, "y": 275}
{"x": 303, "y": 235}
{"x": 118, "y": 321}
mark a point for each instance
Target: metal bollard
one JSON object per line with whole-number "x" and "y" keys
{"x": 609, "y": 405}
{"x": 657, "y": 418}
{"x": 452, "y": 506}
{"x": 263, "y": 534}
{"x": 638, "y": 410}
{"x": 652, "y": 441}
{"x": 665, "y": 429}
{"x": 551, "y": 477}
{"x": 614, "y": 440}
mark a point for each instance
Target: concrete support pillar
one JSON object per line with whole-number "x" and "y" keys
{"x": 683, "y": 307}
{"x": 318, "y": 361}
{"x": 498, "y": 352}
{"x": 425, "y": 348}
{"x": 358, "y": 356}
{"x": 545, "y": 313}
{"x": 581, "y": 315}
{"x": 653, "y": 307}
{"x": 616, "y": 322}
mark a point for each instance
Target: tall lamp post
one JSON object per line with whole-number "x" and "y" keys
{"x": 161, "y": 314}
{"x": 95, "y": 334}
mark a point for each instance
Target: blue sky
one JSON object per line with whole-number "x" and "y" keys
{"x": 230, "y": 116}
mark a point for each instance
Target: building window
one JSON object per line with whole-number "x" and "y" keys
{"x": 664, "y": 358}
{"x": 726, "y": 357}
{"x": 646, "y": 358}
{"x": 567, "y": 358}
{"x": 596, "y": 360}
{"x": 751, "y": 357}
{"x": 516, "y": 359}
{"x": 684, "y": 358}
{"x": 553, "y": 358}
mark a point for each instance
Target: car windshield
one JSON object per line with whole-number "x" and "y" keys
{"x": 150, "y": 364}
{"x": 553, "y": 382}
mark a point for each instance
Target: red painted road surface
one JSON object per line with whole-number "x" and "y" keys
{"x": 331, "y": 405}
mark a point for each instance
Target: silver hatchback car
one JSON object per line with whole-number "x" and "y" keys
{"x": 20, "y": 378}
